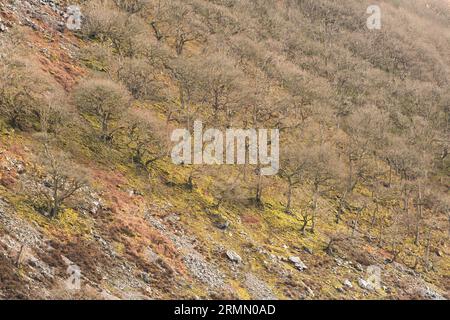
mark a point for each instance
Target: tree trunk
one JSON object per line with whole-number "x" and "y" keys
{"x": 313, "y": 220}
{"x": 390, "y": 176}
{"x": 427, "y": 252}
{"x": 105, "y": 128}
{"x": 55, "y": 205}
{"x": 179, "y": 45}
{"x": 258, "y": 196}
{"x": 156, "y": 31}
{"x": 340, "y": 209}
{"x": 190, "y": 182}
{"x": 350, "y": 173}
{"x": 305, "y": 223}
{"x": 374, "y": 215}
{"x": 419, "y": 218}
{"x": 289, "y": 197}
{"x": 380, "y": 235}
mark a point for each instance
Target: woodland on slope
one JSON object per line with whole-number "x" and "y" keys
{"x": 364, "y": 117}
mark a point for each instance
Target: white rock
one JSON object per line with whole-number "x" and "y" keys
{"x": 429, "y": 293}
{"x": 347, "y": 283}
{"x": 233, "y": 256}
{"x": 298, "y": 263}
{"x": 365, "y": 285}
{"x": 295, "y": 260}
{"x": 310, "y": 292}
{"x": 301, "y": 266}
{"x": 359, "y": 267}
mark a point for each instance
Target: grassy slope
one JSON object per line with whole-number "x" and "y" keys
{"x": 254, "y": 233}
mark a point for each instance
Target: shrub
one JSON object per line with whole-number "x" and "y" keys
{"x": 108, "y": 24}
{"x": 146, "y": 138}
{"x": 21, "y": 93}
{"x": 60, "y": 181}
{"x": 96, "y": 56}
{"x": 105, "y": 100}
{"x": 139, "y": 77}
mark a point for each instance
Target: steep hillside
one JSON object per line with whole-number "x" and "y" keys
{"x": 360, "y": 208}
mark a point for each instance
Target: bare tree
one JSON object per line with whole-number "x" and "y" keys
{"x": 223, "y": 85}
{"x": 323, "y": 166}
{"x": 178, "y": 20}
{"x": 132, "y": 6}
{"x": 110, "y": 25}
{"x": 54, "y": 114}
{"x": 146, "y": 138}
{"x": 182, "y": 17}
{"x": 105, "y": 100}
{"x": 140, "y": 79}
{"x": 292, "y": 167}
{"x": 22, "y": 91}
{"x": 187, "y": 76}
{"x": 61, "y": 180}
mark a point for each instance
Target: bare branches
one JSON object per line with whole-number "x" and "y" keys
{"x": 146, "y": 138}
{"x": 105, "y": 100}
{"x": 60, "y": 181}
